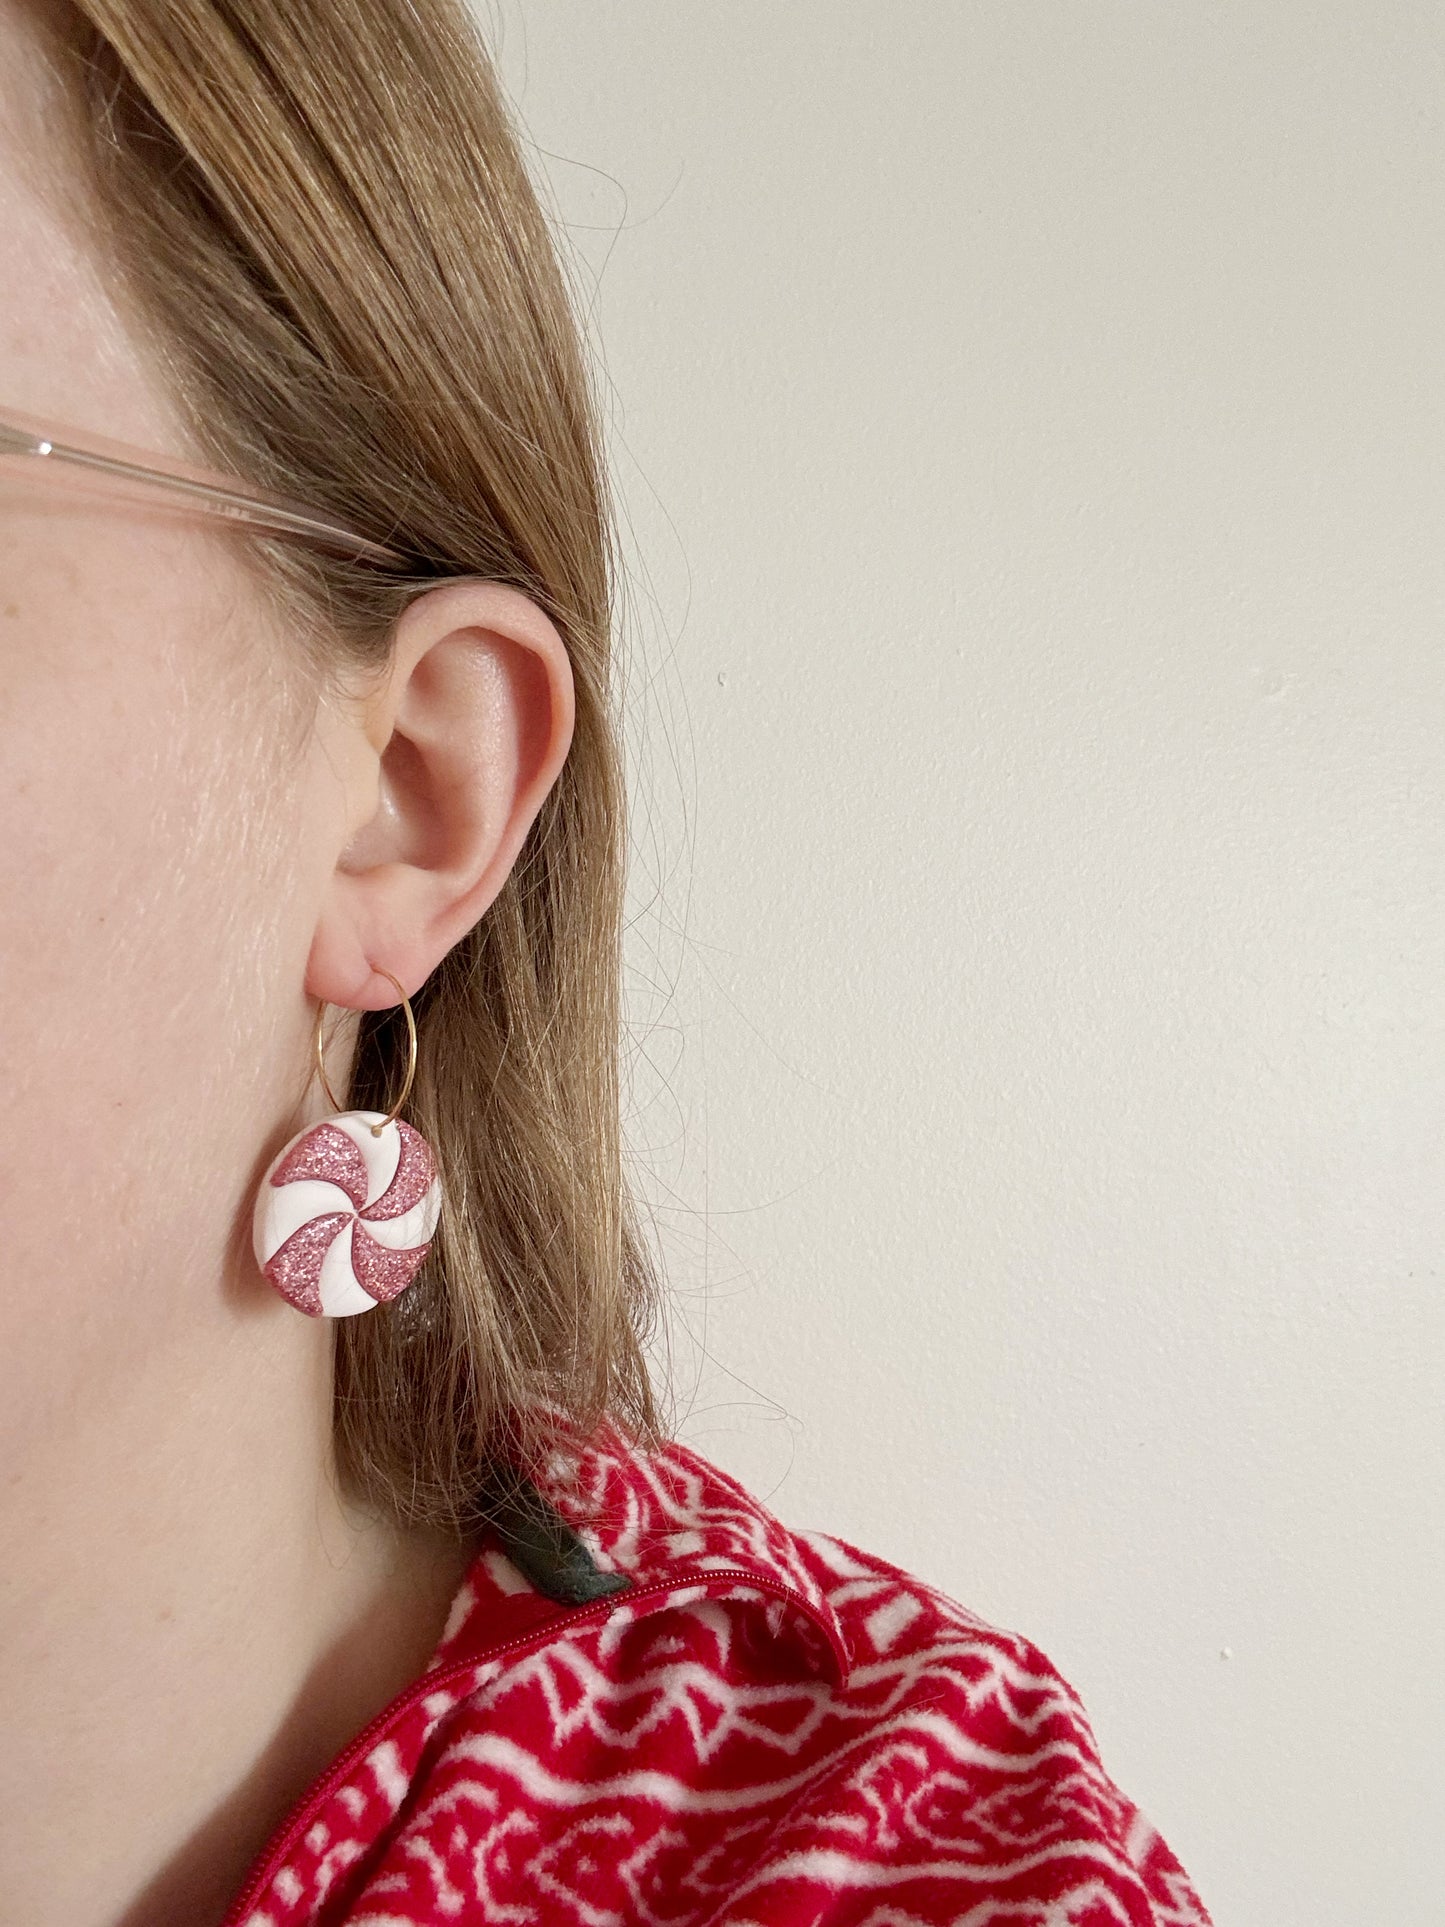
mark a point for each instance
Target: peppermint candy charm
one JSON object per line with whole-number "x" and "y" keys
{"x": 343, "y": 1218}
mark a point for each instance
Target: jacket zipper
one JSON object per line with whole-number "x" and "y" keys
{"x": 284, "y": 1837}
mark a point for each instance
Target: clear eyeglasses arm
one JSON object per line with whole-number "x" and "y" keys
{"x": 25, "y": 437}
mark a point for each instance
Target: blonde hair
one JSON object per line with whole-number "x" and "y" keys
{"x": 322, "y": 212}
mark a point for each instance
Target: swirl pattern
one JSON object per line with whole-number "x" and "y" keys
{"x": 344, "y": 1219}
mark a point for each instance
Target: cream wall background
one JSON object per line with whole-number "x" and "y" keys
{"x": 1031, "y": 423}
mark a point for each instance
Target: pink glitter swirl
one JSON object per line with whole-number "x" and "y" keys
{"x": 414, "y": 1174}
{"x": 382, "y": 1272}
{"x": 330, "y": 1155}
{"x": 295, "y": 1270}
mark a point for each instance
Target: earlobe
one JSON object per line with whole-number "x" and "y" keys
{"x": 458, "y": 747}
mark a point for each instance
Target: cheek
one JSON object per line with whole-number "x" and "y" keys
{"x": 154, "y": 925}
{"x": 144, "y": 826}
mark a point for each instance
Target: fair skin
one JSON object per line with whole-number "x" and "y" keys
{"x": 193, "y": 1618}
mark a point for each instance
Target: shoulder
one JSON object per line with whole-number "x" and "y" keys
{"x": 769, "y": 1715}
{"x": 991, "y": 1759}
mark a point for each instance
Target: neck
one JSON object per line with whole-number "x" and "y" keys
{"x": 199, "y": 1623}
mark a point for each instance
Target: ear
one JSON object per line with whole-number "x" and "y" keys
{"x": 444, "y": 762}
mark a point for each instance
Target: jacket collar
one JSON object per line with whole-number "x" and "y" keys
{"x": 614, "y": 1527}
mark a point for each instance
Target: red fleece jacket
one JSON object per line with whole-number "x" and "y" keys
{"x": 653, "y": 1705}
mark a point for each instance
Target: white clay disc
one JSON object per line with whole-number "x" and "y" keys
{"x": 344, "y": 1219}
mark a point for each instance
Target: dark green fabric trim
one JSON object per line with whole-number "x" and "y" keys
{"x": 544, "y": 1548}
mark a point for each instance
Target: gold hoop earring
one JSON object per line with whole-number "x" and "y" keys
{"x": 331, "y": 1097}
{"x": 347, "y": 1210}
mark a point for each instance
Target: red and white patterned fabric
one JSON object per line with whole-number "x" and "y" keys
{"x": 760, "y": 1727}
